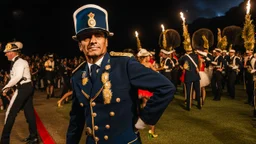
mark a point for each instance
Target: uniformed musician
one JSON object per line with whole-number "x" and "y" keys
{"x": 217, "y": 76}
{"x": 190, "y": 65}
{"x": 233, "y": 68}
{"x": 249, "y": 65}
{"x": 219, "y": 65}
{"x": 166, "y": 64}
{"x": 23, "y": 95}
{"x": 169, "y": 39}
{"x": 105, "y": 87}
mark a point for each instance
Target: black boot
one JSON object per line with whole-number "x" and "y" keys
{"x": 34, "y": 140}
{"x": 31, "y": 140}
{"x": 26, "y": 139}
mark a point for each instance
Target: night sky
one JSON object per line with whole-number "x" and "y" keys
{"x": 47, "y": 25}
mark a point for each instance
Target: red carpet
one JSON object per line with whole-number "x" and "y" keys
{"x": 43, "y": 133}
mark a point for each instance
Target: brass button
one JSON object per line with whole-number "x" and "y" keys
{"x": 107, "y": 126}
{"x": 93, "y": 104}
{"x": 118, "y": 100}
{"x": 112, "y": 114}
{"x": 81, "y": 104}
{"x": 96, "y": 139}
{"x": 94, "y": 114}
{"x": 96, "y": 127}
{"x": 106, "y": 137}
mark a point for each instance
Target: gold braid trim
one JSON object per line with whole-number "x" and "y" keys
{"x": 112, "y": 53}
{"x": 78, "y": 67}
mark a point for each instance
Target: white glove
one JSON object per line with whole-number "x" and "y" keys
{"x": 166, "y": 67}
{"x": 140, "y": 124}
{"x": 235, "y": 67}
{"x": 253, "y": 71}
{"x": 214, "y": 63}
{"x": 208, "y": 59}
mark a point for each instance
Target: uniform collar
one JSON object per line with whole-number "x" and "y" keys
{"x": 14, "y": 57}
{"x": 98, "y": 63}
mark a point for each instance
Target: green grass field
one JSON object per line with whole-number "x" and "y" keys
{"x": 228, "y": 121}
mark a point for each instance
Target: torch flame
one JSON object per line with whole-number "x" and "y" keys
{"x": 136, "y": 34}
{"x": 162, "y": 26}
{"x": 182, "y": 16}
{"x": 248, "y": 7}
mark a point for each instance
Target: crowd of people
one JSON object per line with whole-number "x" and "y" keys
{"x": 41, "y": 74}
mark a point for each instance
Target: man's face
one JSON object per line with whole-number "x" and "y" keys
{"x": 249, "y": 53}
{"x": 10, "y": 55}
{"x": 231, "y": 54}
{"x": 93, "y": 44}
{"x": 161, "y": 54}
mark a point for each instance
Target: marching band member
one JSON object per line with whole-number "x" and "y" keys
{"x": 189, "y": 63}
{"x": 22, "y": 97}
{"x": 233, "y": 68}
{"x": 203, "y": 39}
{"x": 219, "y": 67}
{"x": 169, "y": 39}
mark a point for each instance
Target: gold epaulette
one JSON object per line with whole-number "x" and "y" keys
{"x": 112, "y": 53}
{"x": 78, "y": 67}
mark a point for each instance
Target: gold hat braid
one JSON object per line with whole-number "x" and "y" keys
{"x": 248, "y": 33}
{"x": 222, "y": 41}
{"x": 206, "y": 43}
{"x": 187, "y": 41}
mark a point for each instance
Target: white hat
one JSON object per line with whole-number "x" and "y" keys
{"x": 218, "y": 50}
{"x": 143, "y": 52}
{"x": 50, "y": 55}
{"x": 248, "y": 51}
{"x": 165, "y": 51}
{"x": 224, "y": 51}
{"x": 13, "y": 46}
{"x": 232, "y": 50}
{"x": 152, "y": 52}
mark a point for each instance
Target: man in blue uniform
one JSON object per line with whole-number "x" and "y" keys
{"x": 233, "y": 68}
{"x": 189, "y": 63}
{"x": 217, "y": 76}
{"x": 105, "y": 87}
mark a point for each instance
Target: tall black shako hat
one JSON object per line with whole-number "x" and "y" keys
{"x": 169, "y": 40}
{"x": 90, "y": 18}
{"x": 202, "y": 39}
